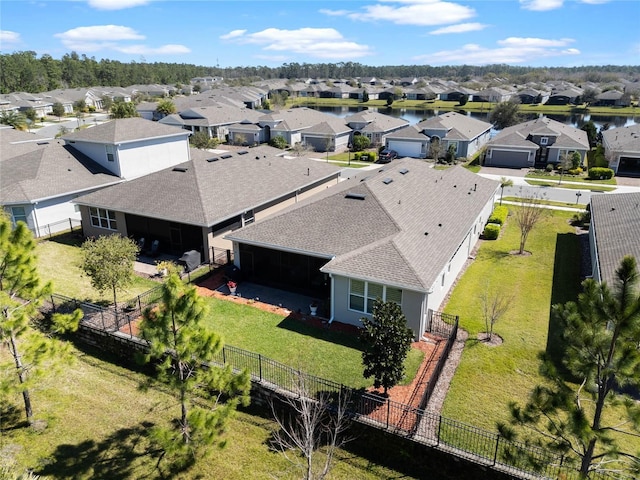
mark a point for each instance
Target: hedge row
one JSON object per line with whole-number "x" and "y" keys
{"x": 600, "y": 173}
{"x": 491, "y": 231}
{"x": 365, "y": 156}
{"x": 499, "y": 215}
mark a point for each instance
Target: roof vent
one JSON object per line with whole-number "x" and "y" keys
{"x": 355, "y": 196}
{"x": 43, "y": 143}
{"x": 257, "y": 157}
{"x": 226, "y": 155}
{"x": 387, "y": 180}
{"x": 404, "y": 171}
{"x": 180, "y": 169}
{"x": 212, "y": 159}
{"x": 243, "y": 152}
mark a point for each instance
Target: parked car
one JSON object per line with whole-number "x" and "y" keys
{"x": 387, "y": 155}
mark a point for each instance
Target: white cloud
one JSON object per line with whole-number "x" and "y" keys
{"x": 7, "y": 37}
{"x": 334, "y": 13}
{"x": 110, "y": 37}
{"x": 459, "y": 28}
{"x": 316, "y": 42}
{"x": 98, "y": 32}
{"x": 541, "y": 5}
{"x": 233, "y": 34}
{"x": 415, "y": 12}
{"x": 145, "y": 50}
{"x": 514, "y": 51}
{"x": 116, "y": 4}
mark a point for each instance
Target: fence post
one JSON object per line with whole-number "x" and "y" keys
{"x": 388, "y": 412}
{"x": 260, "y": 365}
{"x": 495, "y": 453}
{"x": 139, "y": 304}
{"x": 70, "y": 225}
{"x": 439, "y": 428}
{"x": 104, "y": 328}
{"x": 53, "y": 303}
{"x": 224, "y": 356}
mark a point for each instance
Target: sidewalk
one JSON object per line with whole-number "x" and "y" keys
{"x": 521, "y": 180}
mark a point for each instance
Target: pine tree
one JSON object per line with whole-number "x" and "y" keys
{"x": 601, "y": 332}
{"x": 32, "y": 353}
{"x": 182, "y": 346}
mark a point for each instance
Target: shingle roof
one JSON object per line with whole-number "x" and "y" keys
{"x": 50, "y": 171}
{"x": 15, "y": 142}
{"x": 567, "y": 136}
{"x": 400, "y": 232}
{"x": 616, "y": 221}
{"x": 623, "y": 139}
{"x": 206, "y": 193}
{"x": 467, "y": 128}
{"x": 125, "y": 130}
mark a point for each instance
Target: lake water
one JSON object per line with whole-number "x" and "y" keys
{"x": 414, "y": 116}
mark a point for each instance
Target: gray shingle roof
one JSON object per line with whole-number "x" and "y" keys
{"x": 401, "y": 232}
{"x": 125, "y": 130}
{"x": 623, "y": 139}
{"x": 567, "y": 136}
{"x": 50, "y": 171}
{"x": 209, "y": 192}
{"x": 616, "y": 221}
{"x": 467, "y": 128}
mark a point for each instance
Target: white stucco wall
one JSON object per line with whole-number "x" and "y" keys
{"x": 141, "y": 158}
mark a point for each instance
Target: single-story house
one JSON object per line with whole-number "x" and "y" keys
{"x": 492, "y": 95}
{"x": 613, "y": 233}
{"x": 290, "y": 123}
{"x": 375, "y": 126}
{"x": 622, "y": 148}
{"x": 531, "y": 95}
{"x": 401, "y": 234}
{"x": 467, "y": 134}
{"x": 613, "y": 98}
{"x": 409, "y": 142}
{"x": 40, "y": 177}
{"x": 535, "y": 143}
{"x": 191, "y": 206}
{"x": 329, "y": 136}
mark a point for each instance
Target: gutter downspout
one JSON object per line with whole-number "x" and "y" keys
{"x": 333, "y": 302}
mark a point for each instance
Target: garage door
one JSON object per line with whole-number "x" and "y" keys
{"x": 508, "y": 159}
{"x": 629, "y": 166}
{"x": 406, "y": 149}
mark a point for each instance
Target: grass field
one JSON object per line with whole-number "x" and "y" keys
{"x": 97, "y": 422}
{"x": 59, "y": 262}
{"x": 494, "y": 376}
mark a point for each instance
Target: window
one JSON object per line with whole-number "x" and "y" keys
{"x": 110, "y": 153}
{"x": 543, "y": 140}
{"x": 103, "y": 218}
{"x": 18, "y": 214}
{"x": 363, "y": 294}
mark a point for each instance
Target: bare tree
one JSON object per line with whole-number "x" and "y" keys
{"x": 299, "y": 149}
{"x": 309, "y": 425}
{"x": 566, "y": 164}
{"x": 527, "y": 216}
{"x": 495, "y": 305}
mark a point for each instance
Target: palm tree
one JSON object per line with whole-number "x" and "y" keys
{"x": 14, "y": 119}
{"x": 504, "y": 182}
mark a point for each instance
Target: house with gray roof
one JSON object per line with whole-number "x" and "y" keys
{"x": 467, "y": 134}
{"x": 401, "y": 234}
{"x": 375, "y": 126}
{"x": 132, "y": 147}
{"x": 291, "y": 123}
{"x": 622, "y": 148}
{"x": 329, "y": 136}
{"x": 613, "y": 233}
{"x": 40, "y": 177}
{"x": 535, "y": 143}
{"x": 191, "y": 206}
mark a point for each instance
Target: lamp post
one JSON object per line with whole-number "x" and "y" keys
{"x": 578, "y": 195}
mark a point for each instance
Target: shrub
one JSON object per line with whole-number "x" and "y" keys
{"x": 278, "y": 142}
{"x": 575, "y": 171}
{"x": 491, "y": 231}
{"x": 600, "y": 173}
{"x": 581, "y": 218}
{"x": 549, "y": 167}
{"x": 499, "y": 215}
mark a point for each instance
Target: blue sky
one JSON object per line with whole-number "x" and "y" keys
{"x": 372, "y": 32}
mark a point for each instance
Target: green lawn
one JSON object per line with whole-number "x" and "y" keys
{"x": 332, "y": 355}
{"x": 488, "y": 378}
{"x": 555, "y": 178}
{"x": 59, "y": 262}
{"x": 570, "y": 186}
{"x": 547, "y": 202}
{"x": 97, "y": 420}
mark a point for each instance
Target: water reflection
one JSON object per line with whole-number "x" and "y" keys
{"x": 414, "y": 116}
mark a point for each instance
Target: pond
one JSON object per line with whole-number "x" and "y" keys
{"x": 414, "y": 116}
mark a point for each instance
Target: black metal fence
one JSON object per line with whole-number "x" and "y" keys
{"x": 220, "y": 256}
{"x": 456, "y": 438}
{"x": 63, "y": 226}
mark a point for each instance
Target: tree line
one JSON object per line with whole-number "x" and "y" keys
{"x": 24, "y": 71}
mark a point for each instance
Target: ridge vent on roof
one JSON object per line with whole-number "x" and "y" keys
{"x": 355, "y": 196}
{"x": 387, "y": 180}
{"x": 226, "y": 155}
{"x": 180, "y": 169}
{"x": 404, "y": 171}
{"x": 243, "y": 152}
{"x": 212, "y": 159}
